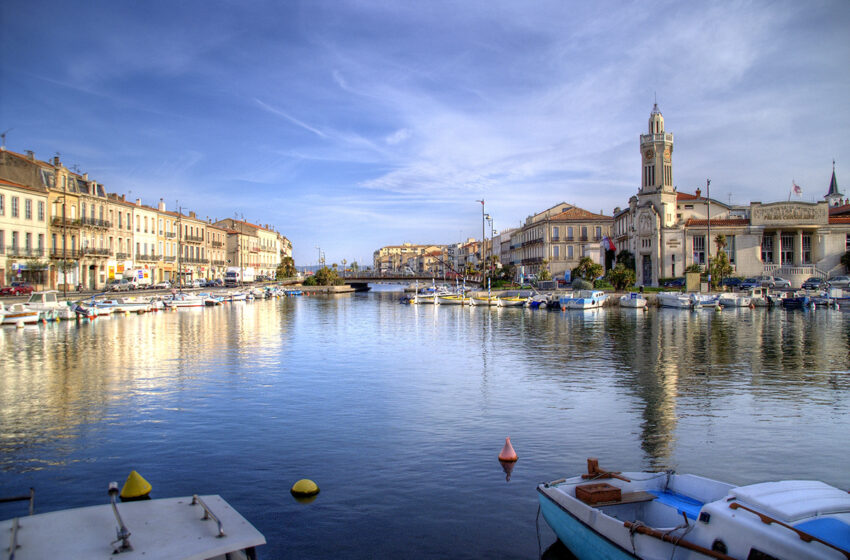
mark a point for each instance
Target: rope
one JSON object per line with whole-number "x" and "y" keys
{"x": 537, "y": 526}
{"x": 632, "y": 530}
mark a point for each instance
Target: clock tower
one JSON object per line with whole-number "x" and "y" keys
{"x": 656, "y": 149}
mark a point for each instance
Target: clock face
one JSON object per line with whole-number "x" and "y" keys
{"x": 648, "y": 154}
{"x": 667, "y": 153}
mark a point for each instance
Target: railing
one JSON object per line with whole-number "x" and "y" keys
{"x": 582, "y": 238}
{"x": 218, "y": 244}
{"x": 94, "y": 222}
{"x": 147, "y": 257}
{"x": 95, "y": 252}
{"x": 170, "y": 235}
{"x": 171, "y": 258}
{"x": 532, "y": 260}
{"x": 59, "y": 253}
{"x": 254, "y": 250}
{"x": 193, "y": 238}
{"x": 67, "y": 222}
{"x": 569, "y": 238}
{"x": 218, "y": 263}
{"x": 123, "y": 256}
{"x": 532, "y": 242}
{"x": 193, "y": 260}
{"x": 15, "y": 251}
{"x": 555, "y": 239}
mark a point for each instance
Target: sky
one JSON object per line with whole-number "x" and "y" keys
{"x": 351, "y": 125}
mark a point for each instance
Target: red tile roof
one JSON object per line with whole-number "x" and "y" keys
{"x": 578, "y": 215}
{"x": 839, "y": 219}
{"x": 843, "y": 209}
{"x": 687, "y": 196}
{"x": 20, "y": 186}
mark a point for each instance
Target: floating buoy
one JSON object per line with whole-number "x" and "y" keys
{"x": 135, "y": 488}
{"x": 508, "y": 453}
{"x": 752, "y": 306}
{"x": 304, "y": 487}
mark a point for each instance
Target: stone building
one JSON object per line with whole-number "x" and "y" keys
{"x": 667, "y": 230}
{"x": 23, "y": 233}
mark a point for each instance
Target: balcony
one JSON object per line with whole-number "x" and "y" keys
{"x": 170, "y": 235}
{"x": 59, "y": 253}
{"x": 555, "y": 239}
{"x": 66, "y": 222}
{"x": 569, "y": 239}
{"x": 150, "y": 257}
{"x": 123, "y": 256}
{"x": 92, "y": 252}
{"x": 532, "y": 242}
{"x": 218, "y": 263}
{"x": 193, "y": 260}
{"x": 170, "y": 259}
{"x": 95, "y": 223}
{"x": 218, "y": 244}
{"x": 254, "y": 250}
{"x": 15, "y": 251}
{"x": 582, "y": 238}
{"x": 532, "y": 260}
{"x": 193, "y": 238}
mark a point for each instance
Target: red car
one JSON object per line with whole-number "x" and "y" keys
{"x": 16, "y": 289}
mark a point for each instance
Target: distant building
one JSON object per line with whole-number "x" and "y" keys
{"x": 667, "y": 230}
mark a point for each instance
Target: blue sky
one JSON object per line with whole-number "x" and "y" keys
{"x": 353, "y": 125}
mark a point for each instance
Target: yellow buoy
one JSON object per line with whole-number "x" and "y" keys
{"x": 135, "y": 488}
{"x": 304, "y": 487}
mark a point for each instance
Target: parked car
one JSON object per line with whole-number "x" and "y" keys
{"x": 749, "y": 283}
{"x": 166, "y": 285}
{"x": 120, "y": 285}
{"x": 675, "y": 283}
{"x": 195, "y": 284}
{"x": 16, "y": 289}
{"x": 218, "y": 282}
{"x": 731, "y": 283}
{"x": 773, "y": 282}
{"x": 839, "y": 282}
{"x": 814, "y": 283}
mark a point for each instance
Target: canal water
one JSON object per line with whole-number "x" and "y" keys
{"x": 399, "y": 412}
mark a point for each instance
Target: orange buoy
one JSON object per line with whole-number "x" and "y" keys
{"x": 508, "y": 453}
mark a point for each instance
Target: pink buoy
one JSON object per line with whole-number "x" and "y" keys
{"x": 508, "y": 453}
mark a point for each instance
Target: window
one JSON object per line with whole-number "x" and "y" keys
{"x": 53, "y": 242}
{"x": 40, "y": 242}
{"x": 40, "y": 210}
{"x": 3, "y": 207}
{"x": 138, "y": 224}
{"x": 787, "y": 244}
{"x": 598, "y": 232}
{"x": 767, "y": 249}
{"x": 583, "y": 233}
{"x": 730, "y": 248}
{"x": 2, "y": 242}
{"x": 146, "y": 224}
{"x": 28, "y": 242}
{"x": 100, "y": 213}
{"x": 570, "y": 233}
{"x": 846, "y": 241}
{"x": 14, "y": 206}
{"x": 699, "y": 249}
{"x": 807, "y": 249}
{"x": 14, "y": 240}
{"x": 83, "y": 211}
{"x": 119, "y": 220}
{"x": 129, "y": 222}
{"x": 28, "y": 209}
{"x": 556, "y": 253}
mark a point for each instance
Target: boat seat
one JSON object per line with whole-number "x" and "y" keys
{"x": 828, "y": 529}
{"x": 793, "y": 500}
{"x": 683, "y": 504}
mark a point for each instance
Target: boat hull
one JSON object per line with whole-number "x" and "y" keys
{"x": 584, "y": 542}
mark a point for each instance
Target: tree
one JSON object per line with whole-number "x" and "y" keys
{"x": 327, "y": 277}
{"x": 354, "y": 266}
{"x": 720, "y": 267}
{"x": 587, "y": 269}
{"x": 626, "y": 258}
{"x": 543, "y": 273}
{"x": 286, "y": 269}
{"x": 621, "y": 277}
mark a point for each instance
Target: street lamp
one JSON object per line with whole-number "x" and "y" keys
{"x": 481, "y": 249}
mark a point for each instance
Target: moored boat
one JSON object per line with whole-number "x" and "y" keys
{"x": 797, "y": 301}
{"x": 47, "y": 303}
{"x": 182, "y": 300}
{"x": 191, "y": 527}
{"x": 512, "y": 301}
{"x": 18, "y": 314}
{"x": 587, "y": 299}
{"x": 484, "y": 301}
{"x": 633, "y": 300}
{"x": 676, "y": 300}
{"x": 649, "y": 516}
{"x": 734, "y": 300}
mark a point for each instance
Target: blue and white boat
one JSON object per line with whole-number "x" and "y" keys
{"x": 633, "y": 300}
{"x": 604, "y": 515}
{"x": 797, "y": 301}
{"x": 584, "y": 299}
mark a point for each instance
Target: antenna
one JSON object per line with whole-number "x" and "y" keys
{"x": 3, "y": 137}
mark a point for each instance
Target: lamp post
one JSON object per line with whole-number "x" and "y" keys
{"x": 481, "y": 249}
{"x": 708, "y": 241}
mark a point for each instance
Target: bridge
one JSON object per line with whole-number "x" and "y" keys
{"x": 360, "y": 281}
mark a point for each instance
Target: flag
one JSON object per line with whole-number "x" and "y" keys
{"x": 608, "y": 244}
{"x": 796, "y": 189}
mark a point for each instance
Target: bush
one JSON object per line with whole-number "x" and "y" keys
{"x": 581, "y": 284}
{"x": 309, "y": 281}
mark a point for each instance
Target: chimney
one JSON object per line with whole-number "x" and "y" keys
{"x": 56, "y": 161}
{"x": 698, "y": 193}
{"x": 30, "y": 155}
{"x": 138, "y": 202}
{"x": 85, "y": 176}
{"x": 161, "y": 205}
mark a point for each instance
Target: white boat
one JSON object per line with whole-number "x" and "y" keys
{"x": 677, "y": 300}
{"x": 484, "y": 301}
{"x": 586, "y": 299}
{"x": 633, "y": 300}
{"x": 704, "y": 300}
{"x": 513, "y": 301}
{"x": 182, "y": 300}
{"x": 758, "y": 297}
{"x": 48, "y": 303}
{"x": 538, "y": 301}
{"x": 238, "y": 296}
{"x": 123, "y": 305}
{"x": 453, "y": 299}
{"x": 655, "y": 516}
{"x": 191, "y": 527}
{"x": 18, "y": 314}
{"x": 734, "y": 300}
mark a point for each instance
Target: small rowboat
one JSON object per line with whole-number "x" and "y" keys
{"x": 632, "y": 300}
{"x": 649, "y": 515}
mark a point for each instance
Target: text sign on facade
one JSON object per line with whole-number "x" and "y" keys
{"x": 790, "y": 213}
